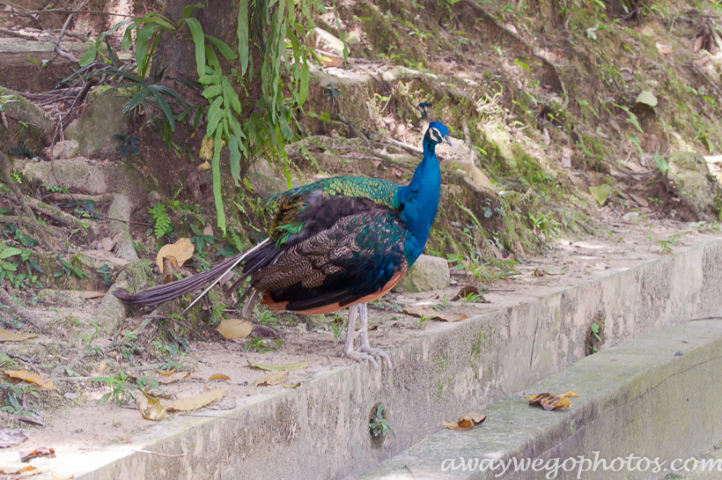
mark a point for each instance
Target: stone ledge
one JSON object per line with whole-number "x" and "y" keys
{"x": 655, "y": 397}
{"x": 320, "y": 430}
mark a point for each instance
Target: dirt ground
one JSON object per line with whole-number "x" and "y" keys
{"x": 73, "y": 420}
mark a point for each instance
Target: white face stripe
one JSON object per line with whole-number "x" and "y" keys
{"x": 435, "y": 134}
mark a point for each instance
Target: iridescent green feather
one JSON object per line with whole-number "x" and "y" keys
{"x": 380, "y": 191}
{"x": 292, "y": 202}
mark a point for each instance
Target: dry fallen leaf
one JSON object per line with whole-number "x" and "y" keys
{"x": 234, "y": 328}
{"x": 206, "y": 152}
{"x": 550, "y": 401}
{"x": 288, "y": 366}
{"x": 100, "y": 370}
{"x": 698, "y": 42}
{"x": 27, "y": 455}
{"x": 107, "y": 244}
{"x": 194, "y": 403}
{"x": 218, "y": 376}
{"x": 182, "y": 250}
{"x": 639, "y": 199}
{"x": 61, "y": 476}
{"x": 291, "y": 385}
{"x": 6, "y": 336}
{"x": 208, "y": 230}
{"x": 465, "y": 422}
{"x": 170, "y": 267}
{"x": 88, "y": 294}
{"x": 31, "y": 377}
{"x": 9, "y": 438}
{"x": 166, "y": 379}
{"x": 275, "y": 378}
{"x": 663, "y": 49}
{"x": 150, "y": 407}
{"x": 430, "y": 313}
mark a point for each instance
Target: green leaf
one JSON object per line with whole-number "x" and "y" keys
{"x": 209, "y": 79}
{"x": 136, "y": 100}
{"x": 243, "y": 34}
{"x": 646, "y": 97}
{"x": 591, "y": 32}
{"x": 199, "y": 42}
{"x": 188, "y": 9}
{"x": 89, "y": 56}
{"x": 9, "y": 267}
{"x": 274, "y": 368}
{"x": 166, "y": 109}
{"x": 285, "y": 128}
{"x": 158, "y": 19}
{"x": 141, "y": 44}
{"x": 212, "y": 91}
{"x": 212, "y": 58}
{"x": 235, "y": 157}
{"x": 10, "y": 252}
{"x": 127, "y": 42}
{"x": 222, "y": 47}
{"x": 215, "y": 114}
{"x": 601, "y": 193}
{"x": 522, "y": 65}
{"x": 303, "y": 90}
{"x": 216, "y": 174}
{"x": 231, "y": 95}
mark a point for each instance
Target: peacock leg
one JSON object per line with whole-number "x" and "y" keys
{"x": 358, "y": 355}
{"x": 377, "y": 353}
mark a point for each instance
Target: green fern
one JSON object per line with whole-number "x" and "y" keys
{"x": 161, "y": 220}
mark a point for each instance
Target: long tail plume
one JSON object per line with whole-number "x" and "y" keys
{"x": 169, "y": 291}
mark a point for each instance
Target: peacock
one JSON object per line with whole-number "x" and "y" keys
{"x": 339, "y": 242}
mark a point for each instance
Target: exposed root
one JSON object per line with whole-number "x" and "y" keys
{"x": 21, "y": 200}
{"x": 21, "y": 312}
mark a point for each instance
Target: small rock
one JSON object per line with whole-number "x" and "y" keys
{"x": 330, "y": 48}
{"x": 95, "y": 128}
{"x": 63, "y": 150}
{"x": 694, "y": 184}
{"x": 107, "y": 244}
{"x": 263, "y": 179}
{"x": 64, "y": 298}
{"x": 630, "y": 217}
{"x": 428, "y": 273}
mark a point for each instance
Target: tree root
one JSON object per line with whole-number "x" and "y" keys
{"x": 21, "y": 312}
{"x": 60, "y": 216}
{"x": 20, "y": 199}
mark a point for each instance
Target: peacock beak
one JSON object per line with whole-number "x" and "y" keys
{"x": 447, "y": 140}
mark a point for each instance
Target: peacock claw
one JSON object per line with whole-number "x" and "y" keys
{"x": 364, "y": 352}
{"x": 377, "y": 354}
{"x": 359, "y": 356}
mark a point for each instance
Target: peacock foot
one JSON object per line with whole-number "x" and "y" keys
{"x": 377, "y": 354}
{"x": 360, "y": 356}
{"x": 364, "y": 352}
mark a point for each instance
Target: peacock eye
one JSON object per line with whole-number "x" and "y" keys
{"x": 435, "y": 134}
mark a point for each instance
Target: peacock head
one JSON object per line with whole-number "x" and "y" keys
{"x": 437, "y": 133}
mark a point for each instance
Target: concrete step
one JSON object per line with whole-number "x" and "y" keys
{"x": 321, "y": 430}
{"x": 646, "y": 409}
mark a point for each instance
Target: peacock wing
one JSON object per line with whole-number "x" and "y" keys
{"x": 359, "y": 256}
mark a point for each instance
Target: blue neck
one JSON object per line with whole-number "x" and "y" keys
{"x": 419, "y": 200}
